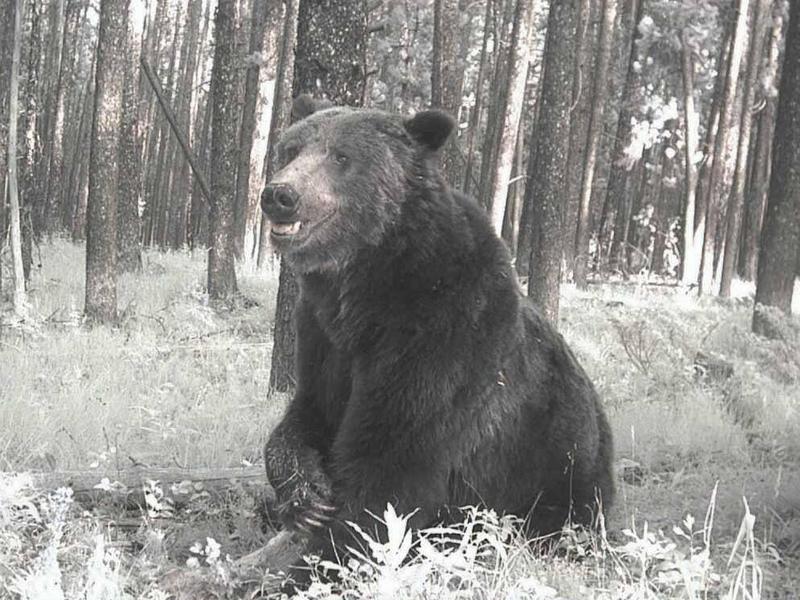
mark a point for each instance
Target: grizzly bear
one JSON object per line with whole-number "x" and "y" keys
{"x": 425, "y": 378}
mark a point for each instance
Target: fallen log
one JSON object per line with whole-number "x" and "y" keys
{"x": 258, "y": 574}
{"x": 131, "y": 487}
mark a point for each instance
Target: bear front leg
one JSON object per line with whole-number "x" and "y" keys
{"x": 302, "y": 489}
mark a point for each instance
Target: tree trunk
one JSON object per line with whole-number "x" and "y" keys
{"x": 780, "y": 242}
{"x": 736, "y": 204}
{"x": 101, "y": 230}
{"x": 15, "y": 240}
{"x": 690, "y": 259}
{"x": 281, "y": 115}
{"x": 225, "y": 118}
{"x": 447, "y": 77}
{"x": 596, "y": 123}
{"x": 7, "y": 21}
{"x": 511, "y": 87}
{"x": 330, "y": 61}
{"x": 251, "y": 89}
{"x": 717, "y": 186}
{"x": 179, "y": 190}
{"x": 475, "y": 115}
{"x": 129, "y": 254}
{"x": 759, "y": 184}
{"x": 619, "y": 174}
{"x": 583, "y": 81}
{"x": 550, "y": 149}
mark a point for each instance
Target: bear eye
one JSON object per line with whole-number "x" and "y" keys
{"x": 341, "y": 159}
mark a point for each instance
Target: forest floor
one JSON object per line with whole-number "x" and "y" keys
{"x": 708, "y": 462}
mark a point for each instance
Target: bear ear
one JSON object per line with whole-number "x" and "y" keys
{"x": 431, "y": 128}
{"x": 305, "y": 105}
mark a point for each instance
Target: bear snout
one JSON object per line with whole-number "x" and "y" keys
{"x": 279, "y": 201}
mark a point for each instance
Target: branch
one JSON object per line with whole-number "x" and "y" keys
{"x": 184, "y": 144}
{"x": 127, "y": 487}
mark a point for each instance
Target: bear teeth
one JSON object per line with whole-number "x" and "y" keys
{"x": 286, "y": 228}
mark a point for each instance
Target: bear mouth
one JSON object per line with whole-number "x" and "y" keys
{"x": 286, "y": 230}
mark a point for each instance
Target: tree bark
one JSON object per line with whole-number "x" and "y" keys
{"x": 101, "y": 231}
{"x": 330, "y": 61}
{"x": 759, "y": 184}
{"x": 129, "y": 253}
{"x": 281, "y": 112}
{"x": 596, "y": 123}
{"x": 7, "y": 20}
{"x": 717, "y": 186}
{"x": 550, "y": 149}
{"x": 736, "y": 203}
{"x": 780, "y": 242}
{"x": 619, "y": 174}
{"x": 248, "y": 125}
{"x": 15, "y": 240}
{"x": 447, "y": 77}
{"x": 690, "y": 263}
{"x": 580, "y": 110}
{"x": 225, "y": 118}
{"x": 477, "y": 109}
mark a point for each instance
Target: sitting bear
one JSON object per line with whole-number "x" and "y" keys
{"x": 425, "y": 378}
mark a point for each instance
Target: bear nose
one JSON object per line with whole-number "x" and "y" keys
{"x": 279, "y": 197}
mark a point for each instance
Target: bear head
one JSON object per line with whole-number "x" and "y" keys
{"x": 344, "y": 177}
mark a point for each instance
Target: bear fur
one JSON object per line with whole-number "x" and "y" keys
{"x": 425, "y": 378}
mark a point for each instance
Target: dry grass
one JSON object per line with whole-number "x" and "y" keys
{"x": 178, "y": 383}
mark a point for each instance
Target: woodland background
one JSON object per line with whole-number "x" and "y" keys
{"x": 641, "y": 158}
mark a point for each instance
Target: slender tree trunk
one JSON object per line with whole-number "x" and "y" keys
{"x": 256, "y": 46}
{"x": 780, "y": 243}
{"x": 619, "y": 174}
{"x": 580, "y": 110}
{"x": 736, "y": 204}
{"x": 690, "y": 259}
{"x": 509, "y": 118}
{"x": 717, "y": 180}
{"x": 101, "y": 231}
{"x": 330, "y": 61}
{"x": 281, "y": 116}
{"x": 477, "y": 109}
{"x": 15, "y": 240}
{"x": 596, "y": 123}
{"x": 447, "y": 77}
{"x": 129, "y": 254}
{"x": 225, "y": 117}
{"x": 509, "y": 109}
{"x": 550, "y": 148}
{"x": 759, "y": 186}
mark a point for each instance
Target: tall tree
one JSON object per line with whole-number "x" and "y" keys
{"x": 225, "y": 118}
{"x": 13, "y": 191}
{"x": 129, "y": 254}
{"x": 501, "y": 139}
{"x": 729, "y": 111}
{"x": 619, "y": 174}
{"x": 736, "y": 202}
{"x": 248, "y": 123}
{"x": 101, "y": 226}
{"x": 580, "y": 110}
{"x": 596, "y": 123}
{"x": 690, "y": 264}
{"x": 547, "y": 167}
{"x": 330, "y": 62}
{"x": 759, "y": 182}
{"x": 780, "y": 242}
{"x": 446, "y": 77}
{"x": 281, "y": 110}
{"x": 477, "y": 109}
